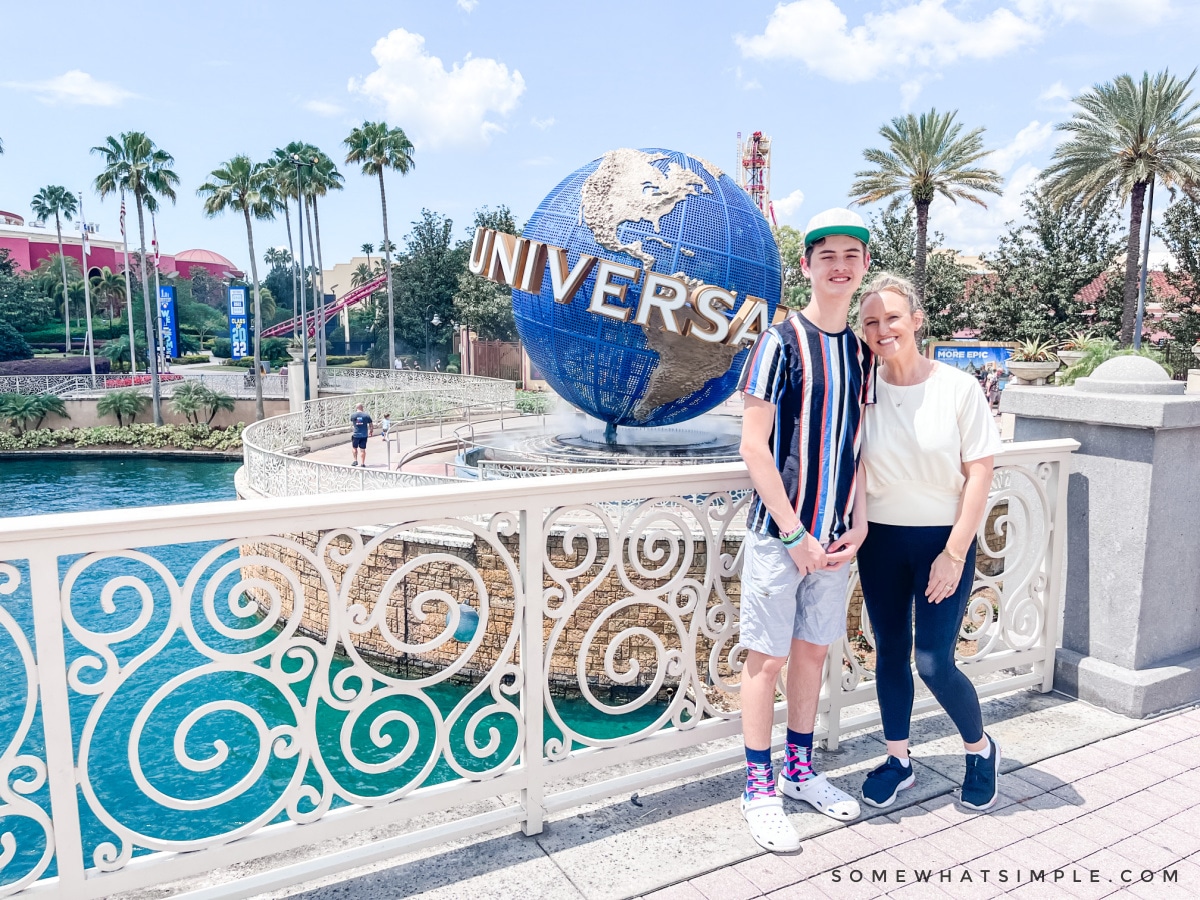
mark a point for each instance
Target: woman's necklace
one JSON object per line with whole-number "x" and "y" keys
{"x": 903, "y": 394}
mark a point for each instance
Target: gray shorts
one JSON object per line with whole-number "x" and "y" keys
{"x": 779, "y": 604}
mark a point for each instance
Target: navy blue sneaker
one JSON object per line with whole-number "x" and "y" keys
{"x": 979, "y": 789}
{"x": 884, "y": 783}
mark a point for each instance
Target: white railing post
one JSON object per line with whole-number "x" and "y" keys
{"x": 1056, "y": 490}
{"x": 533, "y": 677}
{"x": 831, "y": 720}
{"x": 56, "y": 721}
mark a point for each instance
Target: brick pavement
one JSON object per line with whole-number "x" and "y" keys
{"x": 1091, "y": 822}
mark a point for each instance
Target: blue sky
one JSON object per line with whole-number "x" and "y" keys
{"x": 505, "y": 98}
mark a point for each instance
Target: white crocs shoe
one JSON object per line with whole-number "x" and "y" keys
{"x": 769, "y": 827}
{"x": 822, "y": 795}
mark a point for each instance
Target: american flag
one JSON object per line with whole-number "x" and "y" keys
{"x": 122, "y": 217}
{"x": 154, "y": 240}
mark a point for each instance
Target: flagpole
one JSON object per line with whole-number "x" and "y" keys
{"x": 128, "y": 295}
{"x": 87, "y": 293}
{"x": 162, "y": 352}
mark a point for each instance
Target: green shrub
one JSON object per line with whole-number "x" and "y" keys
{"x": 189, "y": 360}
{"x": 534, "y": 403}
{"x": 1102, "y": 350}
{"x": 246, "y": 362}
{"x": 142, "y": 436}
{"x": 124, "y": 403}
{"x": 12, "y": 345}
{"x": 22, "y": 410}
{"x": 222, "y": 348}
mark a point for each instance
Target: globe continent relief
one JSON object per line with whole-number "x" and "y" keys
{"x": 664, "y": 212}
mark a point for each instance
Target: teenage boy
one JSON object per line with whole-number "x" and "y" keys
{"x": 805, "y": 386}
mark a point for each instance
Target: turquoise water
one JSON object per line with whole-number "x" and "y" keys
{"x": 43, "y": 486}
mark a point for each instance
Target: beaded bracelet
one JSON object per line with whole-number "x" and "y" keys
{"x": 795, "y": 536}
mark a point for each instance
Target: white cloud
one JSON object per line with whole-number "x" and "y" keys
{"x": 74, "y": 87}
{"x": 435, "y": 105}
{"x": 1029, "y": 140}
{"x": 542, "y": 124}
{"x": 466, "y": 5}
{"x": 1056, "y": 98}
{"x": 787, "y": 207}
{"x": 1109, "y": 15}
{"x": 323, "y": 108}
{"x": 538, "y": 161}
{"x": 921, "y": 35}
{"x": 746, "y": 84}
{"x": 909, "y": 91}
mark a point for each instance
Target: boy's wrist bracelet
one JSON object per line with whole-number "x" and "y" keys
{"x": 795, "y": 536}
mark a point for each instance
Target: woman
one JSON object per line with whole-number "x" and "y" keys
{"x": 928, "y": 444}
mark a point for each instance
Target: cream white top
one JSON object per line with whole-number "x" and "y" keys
{"x": 915, "y": 440}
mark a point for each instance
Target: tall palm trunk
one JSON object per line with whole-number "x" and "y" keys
{"x": 258, "y": 398}
{"x": 151, "y": 335}
{"x": 318, "y": 298}
{"x": 287, "y": 217}
{"x": 1132, "y": 257}
{"x": 387, "y": 256}
{"x": 321, "y": 354}
{"x": 128, "y": 295}
{"x": 921, "y": 250}
{"x": 66, "y": 299}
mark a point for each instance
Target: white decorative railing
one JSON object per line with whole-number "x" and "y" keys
{"x": 466, "y": 388}
{"x": 191, "y": 687}
{"x": 270, "y": 447}
{"x": 237, "y": 384}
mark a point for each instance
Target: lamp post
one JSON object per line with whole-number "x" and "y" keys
{"x": 435, "y": 322}
{"x": 300, "y": 164}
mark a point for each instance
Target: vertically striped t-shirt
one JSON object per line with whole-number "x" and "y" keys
{"x": 819, "y": 384}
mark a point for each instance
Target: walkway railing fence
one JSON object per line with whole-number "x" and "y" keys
{"x": 192, "y": 687}
{"x": 239, "y": 385}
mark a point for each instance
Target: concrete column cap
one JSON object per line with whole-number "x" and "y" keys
{"x": 1130, "y": 375}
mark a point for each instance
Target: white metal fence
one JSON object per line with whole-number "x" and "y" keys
{"x": 353, "y": 379}
{"x": 239, "y": 679}
{"x": 236, "y": 384}
{"x": 273, "y": 448}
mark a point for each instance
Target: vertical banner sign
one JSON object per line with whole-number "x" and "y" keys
{"x": 168, "y": 322}
{"x": 239, "y": 323}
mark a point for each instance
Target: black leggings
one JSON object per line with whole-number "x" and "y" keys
{"x": 893, "y": 564}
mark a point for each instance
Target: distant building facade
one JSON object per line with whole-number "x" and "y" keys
{"x": 29, "y": 245}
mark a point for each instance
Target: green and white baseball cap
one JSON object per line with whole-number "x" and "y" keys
{"x": 836, "y": 221}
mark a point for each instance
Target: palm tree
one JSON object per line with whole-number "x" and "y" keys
{"x": 368, "y": 248}
{"x": 323, "y": 178}
{"x": 1125, "y": 135}
{"x": 377, "y": 147}
{"x": 133, "y": 163}
{"x": 245, "y": 186}
{"x": 55, "y": 200}
{"x": 109, "y": 288}
{"x": 121, "y": 403}
{"x": 927, "y": 155}
{"x": 284, "y": 187}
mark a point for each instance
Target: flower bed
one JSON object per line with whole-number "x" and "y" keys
{"x": 138, "y": 380}
{"x": 136, "y": 436}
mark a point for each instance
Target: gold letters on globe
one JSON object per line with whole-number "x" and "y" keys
{"x": 667, "y": 301}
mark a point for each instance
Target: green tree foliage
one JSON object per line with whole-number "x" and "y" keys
{"x": 22, "y": 304}
{"x": 484, "y": 305}
{"x": 26, "y": 412}
{"x": 116, "y": 351}
{"x": 55, "y": 201}
{"x": 12, "y": 345}
{"x": 1041, "y": 265}
{"x": 893, "y": 249}
{"x": 1180, "y": 231}
{"x": 1125, "y": 135}
{"x": 927, "y": 156}
{"x": 193, "y": 400}
{"x": 207, "y": 288}
{"x": 126, "y": 404}
{"x": 796, "y": 288}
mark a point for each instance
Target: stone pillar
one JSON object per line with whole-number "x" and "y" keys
{"x": 1131, "y": 617}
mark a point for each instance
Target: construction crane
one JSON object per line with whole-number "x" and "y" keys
{"x": 754, "y": 170}
{"x": 357, "y": 295}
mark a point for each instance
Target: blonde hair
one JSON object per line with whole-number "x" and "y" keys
{"x": 886, "y": 281}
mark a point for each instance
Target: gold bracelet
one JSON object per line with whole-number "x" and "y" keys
{"x": 961, "y": 560}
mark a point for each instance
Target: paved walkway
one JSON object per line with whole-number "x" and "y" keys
{"x": 1089, "y": 823}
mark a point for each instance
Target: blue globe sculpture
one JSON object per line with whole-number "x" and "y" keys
{"x": 663, "y": 212}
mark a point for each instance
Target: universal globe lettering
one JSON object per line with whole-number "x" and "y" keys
{"x": 521, "y": 264}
